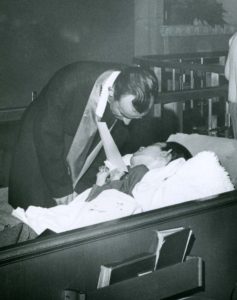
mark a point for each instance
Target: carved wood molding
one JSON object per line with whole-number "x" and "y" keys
{"x": 195, "y": 30}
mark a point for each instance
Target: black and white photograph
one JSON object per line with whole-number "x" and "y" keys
{"x": 118, "y": 150}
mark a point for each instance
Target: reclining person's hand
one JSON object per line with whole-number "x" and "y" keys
{"x": 116, "y": 174}
{"x": 102, "y": 175}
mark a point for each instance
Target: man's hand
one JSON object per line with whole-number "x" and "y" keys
{"x": 66, "y": 199}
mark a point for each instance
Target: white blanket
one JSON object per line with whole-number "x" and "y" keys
{"x": 109, "y": 205}
{"x": 180, "y": 181}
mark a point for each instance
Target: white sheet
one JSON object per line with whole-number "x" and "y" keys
{"x": 109, "y": 205}
{"x": 180, "y": 181}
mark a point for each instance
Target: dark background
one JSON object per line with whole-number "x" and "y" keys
{"x": 39, "y": 37}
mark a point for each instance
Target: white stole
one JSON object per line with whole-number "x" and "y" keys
{"x": 231, "y": 69}
{"x": 77, "y": 159}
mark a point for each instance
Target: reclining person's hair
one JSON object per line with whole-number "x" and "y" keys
{"x": 177, "y": 150}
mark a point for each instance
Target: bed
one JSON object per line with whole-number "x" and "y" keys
{"x": 46, "y": 267}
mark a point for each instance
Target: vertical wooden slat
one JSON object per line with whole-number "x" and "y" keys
{"x": 209, "y": 120}
{"x": 33, "y": 95}
{"x": 191, "y": 86}
{"x": 179, "y": 105}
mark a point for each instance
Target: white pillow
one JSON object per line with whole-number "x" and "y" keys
{"x": 225, "y": 149}
{"x": 199, "y": 177}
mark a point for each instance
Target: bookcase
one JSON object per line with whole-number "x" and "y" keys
{"x": 176, "y": 280}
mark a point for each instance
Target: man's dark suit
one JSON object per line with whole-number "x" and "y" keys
{"x": 39, "y": 172}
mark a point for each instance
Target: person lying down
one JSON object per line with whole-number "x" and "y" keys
{"x": 146, "y": 158}
{"x": 160, "y": 175}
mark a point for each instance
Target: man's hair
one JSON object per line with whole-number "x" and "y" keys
{"x": 177, "y": 150}
{"x": 139, "y": 82}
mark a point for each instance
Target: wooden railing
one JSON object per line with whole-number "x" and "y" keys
{"x": 183, "y": 95}
{"x": 205, "y": 57}
{"x": 193, "y": 83}
{"x": 11, "y": 114}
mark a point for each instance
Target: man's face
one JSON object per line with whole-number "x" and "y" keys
{"x": 147, "y": 155}
{"x": 124, "y": 109}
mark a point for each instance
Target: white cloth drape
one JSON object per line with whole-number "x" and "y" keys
{"x": 231, "y": 75}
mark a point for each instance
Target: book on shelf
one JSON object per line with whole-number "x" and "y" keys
{"x": 131, "y": 267}
{"x": 171, "y": 248}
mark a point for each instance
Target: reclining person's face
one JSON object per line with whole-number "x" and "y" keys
{"x": 151, "y": 156}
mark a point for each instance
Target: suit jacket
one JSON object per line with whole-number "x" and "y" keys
{"x": 39, "y": 171}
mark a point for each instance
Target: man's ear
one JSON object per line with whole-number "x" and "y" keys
{"x": 169, "y": 155}
{"x": 111, "y": 91}
{"x": 165, "y": 153}
{"x": 111, "y": 94}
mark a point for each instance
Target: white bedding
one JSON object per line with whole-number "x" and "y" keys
{"x": 180, "y": 181}
{"x": 224, "y": 148}
{"x": 109, "y": 205}
{"x": 199, "y": 177}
